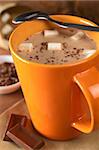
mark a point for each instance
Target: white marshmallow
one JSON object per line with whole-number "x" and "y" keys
{"x": 5, "y": 17}
{"x": 26, "y": 47}
{"x": 6, "y": 29}
{"x": 50, "y": 33}
{"x": 89, "y": 52}
{"x": 78, "y": 35}
{"x": 54, "y": 46}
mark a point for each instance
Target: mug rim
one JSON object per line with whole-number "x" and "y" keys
{"x": 85, "y": 21}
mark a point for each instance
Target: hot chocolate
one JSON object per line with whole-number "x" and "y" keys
{"x": 57, "y": 46}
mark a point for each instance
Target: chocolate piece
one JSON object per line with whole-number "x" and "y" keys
{"x": 24, "y": 139}
{"x": 14, "y": 119}
{"x": 21, "y": 132}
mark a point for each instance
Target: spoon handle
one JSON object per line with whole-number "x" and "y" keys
{"x": 40, "y": 15}
{"x": 73, "y": 25}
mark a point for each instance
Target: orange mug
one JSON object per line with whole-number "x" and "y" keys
{"x": 63, "y": 100}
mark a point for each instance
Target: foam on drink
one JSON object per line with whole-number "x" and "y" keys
{"x": 57, "y": 47}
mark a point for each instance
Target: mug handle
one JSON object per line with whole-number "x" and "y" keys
{"x": 87, "y": 85}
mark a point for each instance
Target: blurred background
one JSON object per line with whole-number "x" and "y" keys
{"x": 8, "y": 9}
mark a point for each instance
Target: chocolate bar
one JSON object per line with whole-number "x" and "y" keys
{"x": 21, "y": 132}
{"x": 23, "y": 138}
{"x": 14, "y": 119}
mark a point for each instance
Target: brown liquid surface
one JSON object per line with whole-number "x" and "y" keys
{"x": 72, "y": 50}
